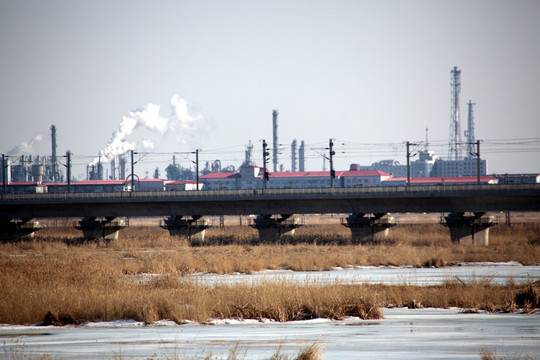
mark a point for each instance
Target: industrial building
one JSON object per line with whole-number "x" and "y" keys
{"x": 251, "y": 177}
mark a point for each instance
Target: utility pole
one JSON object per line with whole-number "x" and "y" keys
{"x": 408, "y": 162}
{"x": 4, "y": 167}
{"x": 478, "y": 162}
{"x": 265, "y": 159}
{"x": 68, "y": 166}
{"x": 197, "y": 167}
{"x": 132, "y": 172}
{"x": 332, "y": 172}
{"x": 477, "y": 154}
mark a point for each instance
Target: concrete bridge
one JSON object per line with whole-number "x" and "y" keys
{"x": 466, "y": 205}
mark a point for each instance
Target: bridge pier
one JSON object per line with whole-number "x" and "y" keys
{"x": 193, "y": 228}
{"x": 17, "y": 229}
{"x": 101, "y": 227}
{"x": 469, "y": 229}
{"x": 368, "y": 229}
{"x": 273, "y": 228}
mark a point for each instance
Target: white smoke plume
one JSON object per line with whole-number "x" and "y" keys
{"x": 147, "y": 144}
{"x": 181, "y": 122}
{"x": 26, "y": 148}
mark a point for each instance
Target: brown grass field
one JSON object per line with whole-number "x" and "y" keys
{"x": 58, "y": 278}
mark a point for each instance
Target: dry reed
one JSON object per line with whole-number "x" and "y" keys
{"x": 60, "y": 278}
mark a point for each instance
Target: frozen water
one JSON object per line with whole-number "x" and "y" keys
{"x": 403, "y": 334}
{"x": 496, "y": 273}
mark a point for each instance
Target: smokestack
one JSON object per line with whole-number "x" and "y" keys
{"x": 469, "y": 133}
{"x": 54, "y": 162}
{"x": 122, "y": 175}
{"x": 113, "y": 168}
{"x": 293, "y": 156}
{"x": 275, "y": 149}
{"x": 301, "y": 157}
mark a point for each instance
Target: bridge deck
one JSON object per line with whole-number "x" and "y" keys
{"x": 395, "y": 199}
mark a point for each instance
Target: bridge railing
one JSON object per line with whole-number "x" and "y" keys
{"x": 274, "y": 193}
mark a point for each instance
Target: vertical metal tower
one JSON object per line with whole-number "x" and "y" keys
{"x": 54, "y": 160}
{"x": 301, "y": 157}
{"x": 469, "y": 133}
{"x": 293, "y": 156}
{"x": 275, "y": 149}
{"x": 454, "y": 150}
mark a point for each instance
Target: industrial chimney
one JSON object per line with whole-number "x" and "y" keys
{"x": 293, "y": 156}
{"x": 54, "y": 161}
{"x": 301, "y": 157}
{"x": 275, "y": 149}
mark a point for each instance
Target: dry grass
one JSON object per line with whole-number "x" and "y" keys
{"x": 310, "y": 352}
{"x": 62, "y": 279}
{"x": 490, "y": 355}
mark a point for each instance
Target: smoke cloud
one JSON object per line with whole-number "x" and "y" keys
{"x": 183, "y": 121}
{"x": 26, "y": 148}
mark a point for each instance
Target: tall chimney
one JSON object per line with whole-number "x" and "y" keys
{"x": 54, "y": 162}
{"x": 301, "y": 157}
{"x": 293, "y": 156}
{"x": 275, "y": 148}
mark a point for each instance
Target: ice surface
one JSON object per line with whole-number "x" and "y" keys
{"x": 403, "y": 334}
{"x": 496, "y": 273}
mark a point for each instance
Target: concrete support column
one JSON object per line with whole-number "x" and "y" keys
{"x": 193, "y": 228}
{"x": 369, "y": 229}
{"x": 469, "y": 229}
{"x": 101, "y": 227}
{"x": 17, "y": 229}
{"x": 273, "y": 228}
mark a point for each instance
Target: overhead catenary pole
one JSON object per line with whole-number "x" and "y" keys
{"x": 4, "y": 167}
{"x": 478, "y": 162}
{"x": 408, "y": 144}
{"x": 68, "y": 169}
{"x": 197, "y": 167}
{"x": 408, "y": 166}
{"x": 132, "y": 172}
{"x": 265, "y": 170}
{"x": 332, "y": 172}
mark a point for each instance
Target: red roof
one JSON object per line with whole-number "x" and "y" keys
{"x": 220, "y": 176}
{"x": 149, "y": 180}
{"x": 362, "y": 173}
{"x": 179, "y": 182}
{"x": 291, "y": 174}
{"x": 439, "y": 180}
{"x": 100, "y": 182}
{"x": 25, "y": 183}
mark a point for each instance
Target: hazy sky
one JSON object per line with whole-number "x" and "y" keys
{"x": 361, "y": 72}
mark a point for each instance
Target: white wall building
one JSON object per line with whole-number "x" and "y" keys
{"x": 250, "y": 177}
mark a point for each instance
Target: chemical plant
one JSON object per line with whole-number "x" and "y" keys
{"x": 27, "y": 173}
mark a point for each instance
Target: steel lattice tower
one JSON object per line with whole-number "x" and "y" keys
{"x": 454, "y": 149}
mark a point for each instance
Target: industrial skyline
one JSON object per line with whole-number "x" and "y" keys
{"x": 359, "y": 72}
